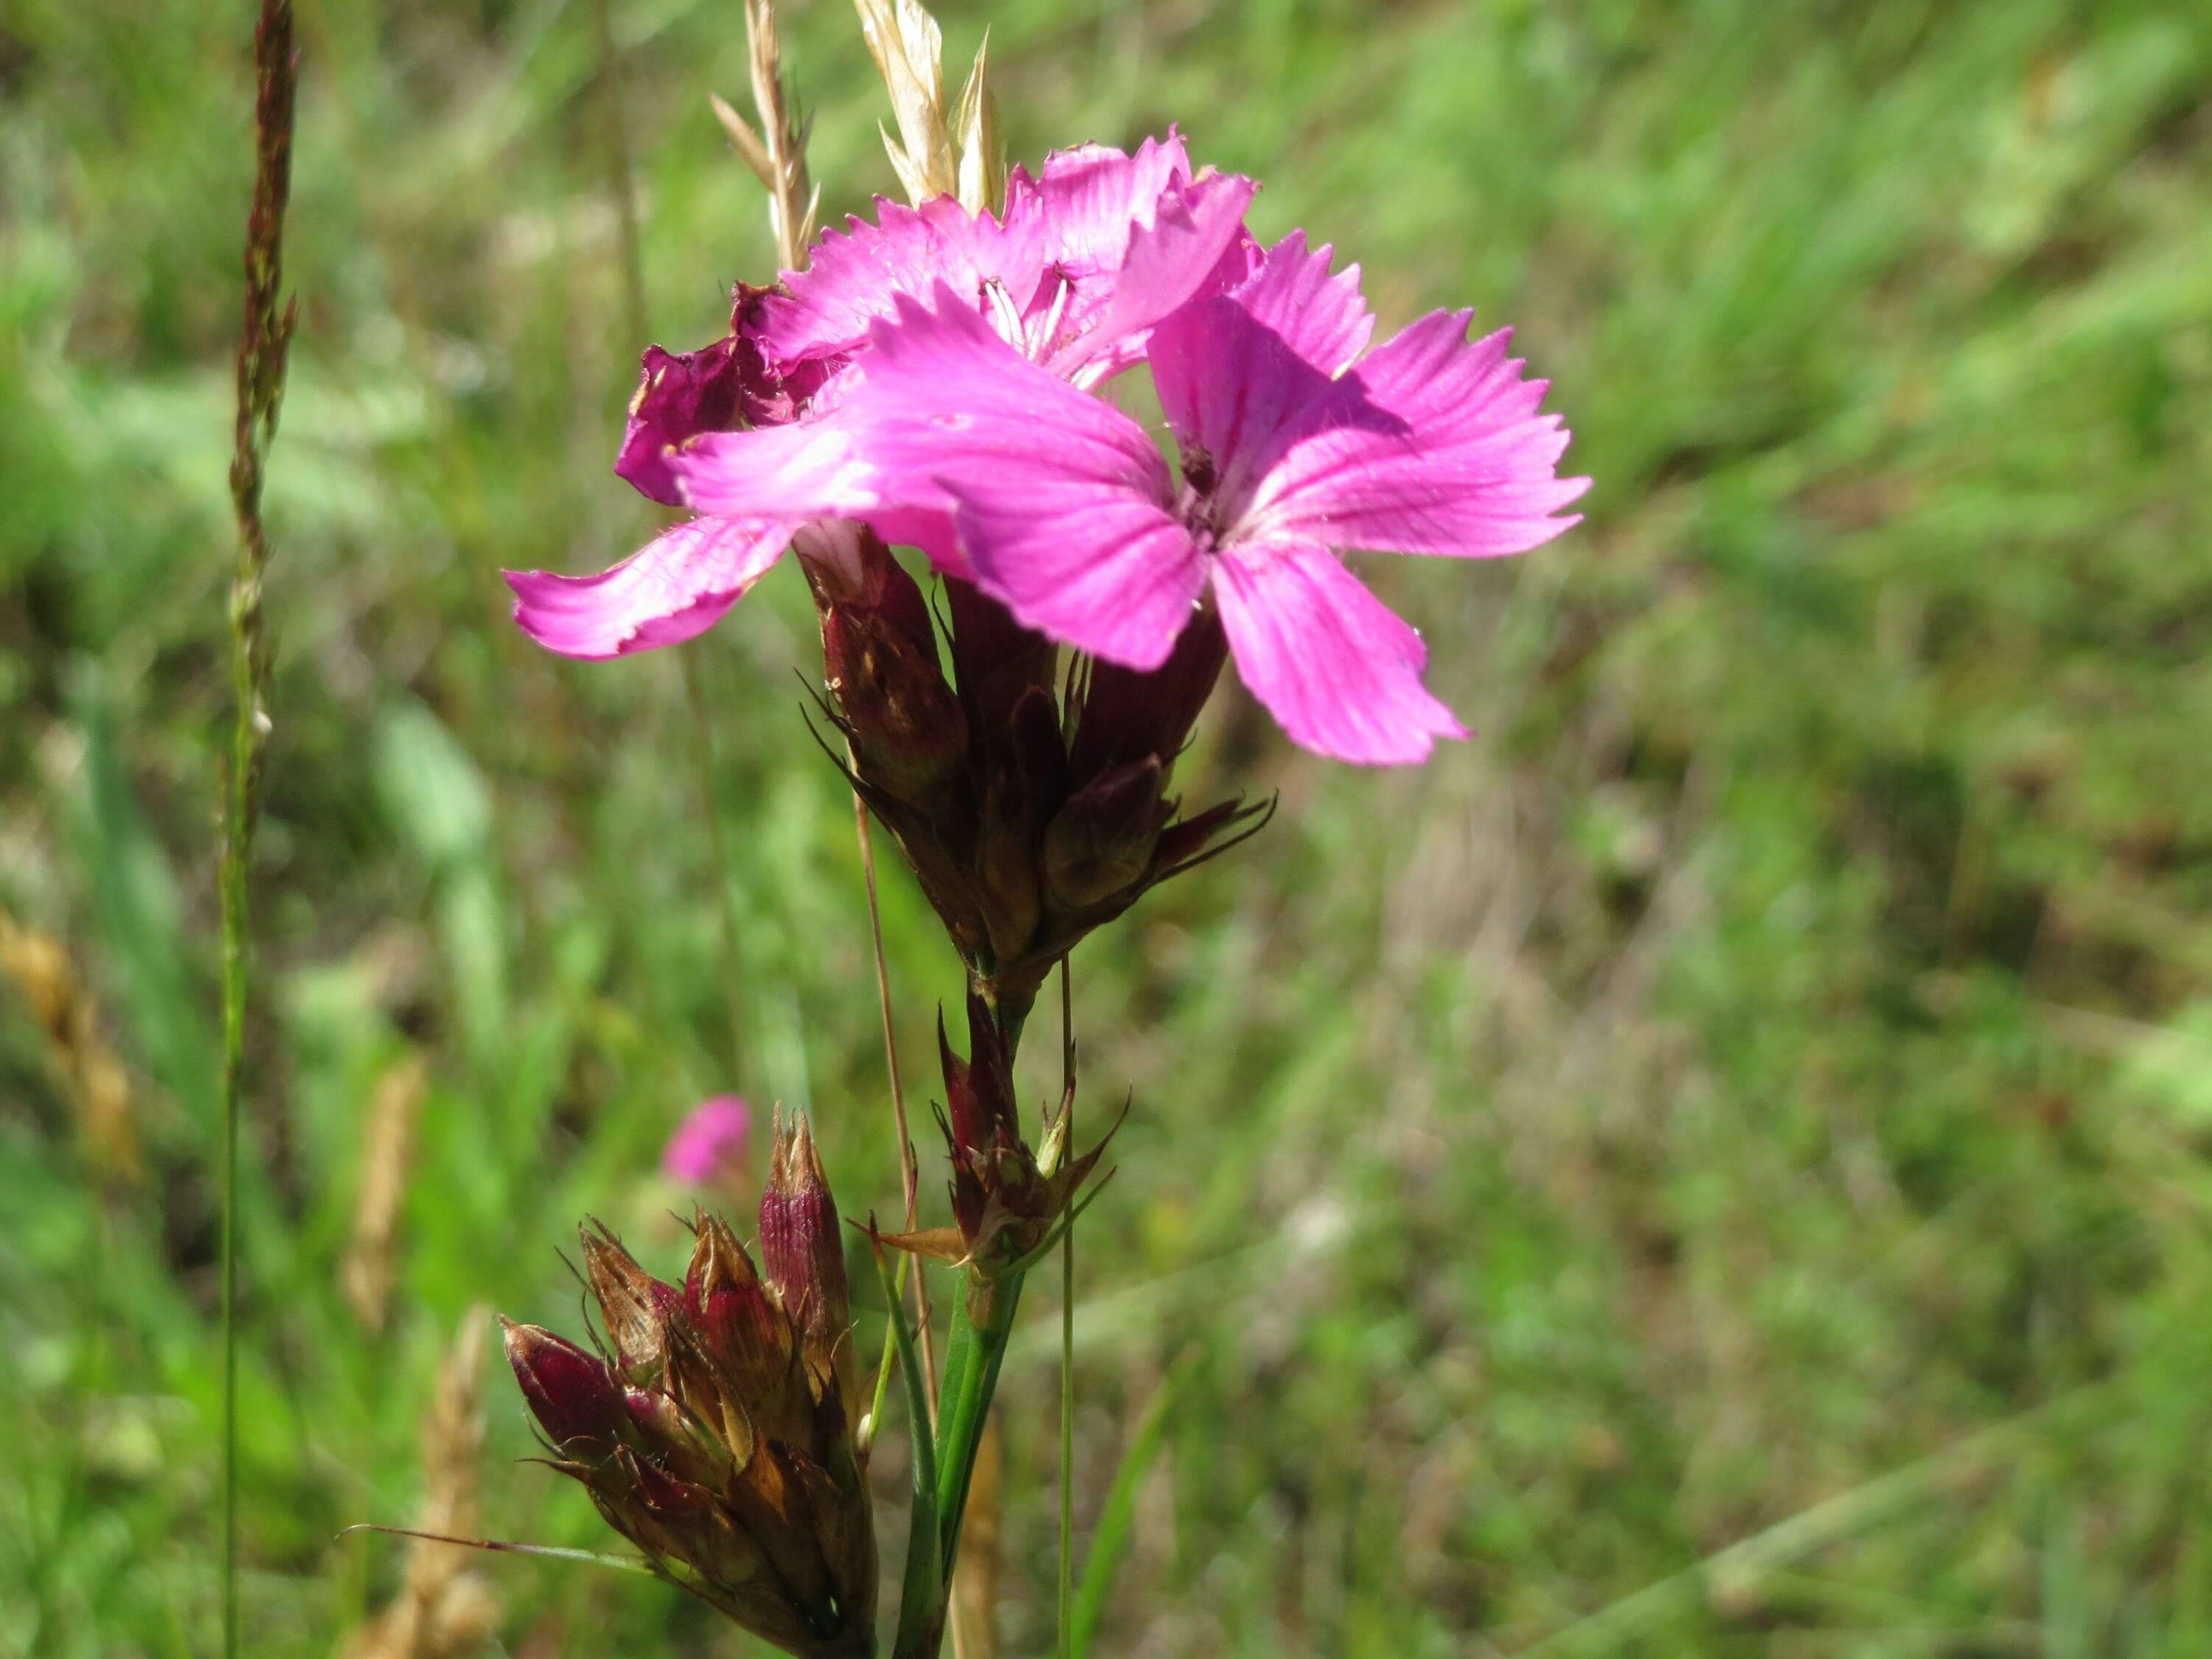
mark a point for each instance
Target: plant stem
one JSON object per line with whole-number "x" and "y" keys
{"x": 982, "y": 1320}
{"x": 909, "y": 1168}
{"x": 1066, "y": 1333}
{"x": 263, "y": 336}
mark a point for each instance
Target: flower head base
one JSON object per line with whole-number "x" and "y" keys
{"x": 717, "y": 1435}
{"x": 1029, "y": 818}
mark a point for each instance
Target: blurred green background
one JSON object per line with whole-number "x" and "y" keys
{"x": 1759, "y": 1089}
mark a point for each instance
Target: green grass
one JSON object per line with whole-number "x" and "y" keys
{"x": 1770, "y": 1056}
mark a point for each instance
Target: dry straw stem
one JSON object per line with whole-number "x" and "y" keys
{"x": 776, "y": 154}
{"x": 910, "y": 53}
{"x": 395, "y": 1106}
{"x": 92, "y": 1079}
{"x": 442, "y": 1610}
{"x": 982, "y": 145}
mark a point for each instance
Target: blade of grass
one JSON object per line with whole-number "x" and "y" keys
{"x": 499, "y": 1546}
{"x": 1809, "y": 1531}
{"x": 1119, "y": 1515}
{"x": 264, "y": 334}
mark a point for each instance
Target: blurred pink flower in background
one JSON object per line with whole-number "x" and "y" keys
{"x": 710, "y": 1143}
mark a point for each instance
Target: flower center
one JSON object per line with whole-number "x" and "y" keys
{"x": 1036, "y": 335}
{"x": 1194, "y": 504}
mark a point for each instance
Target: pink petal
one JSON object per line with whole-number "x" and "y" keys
{"x": 1171, "y": 254}
{"x": 1060, "y": 500}
{"x": 1236, "y": 394}
{"x": 677, "y": 397}
{"x": 1090, "y": 196}
{"x": 1096, "y": 249}
{"x": 817, "y": 468}
{"x": 1331, "y": 662}
{"x": 854, "y": 275}
{"x": 726, "y": 385}
{"x": 1321, "y": 317}
{"x": 677, "y": 586}
{"x": 809, "y": 469}
{"x": 1465, "y": 465}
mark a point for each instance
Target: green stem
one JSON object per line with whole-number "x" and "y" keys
{"x": 1064, "y": 1646}
{"x": 982, "y": 1321}
{"x": 973, "y": 1354}
{"x": 928, "y": 1575}
{"x": 975, "y": 1347}
{"x": 1066, "y": 1438}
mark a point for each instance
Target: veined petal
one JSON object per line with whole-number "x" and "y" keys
{"x": 854, "y": 275}
{"x": 809, "y": 469}
{"x": 1088, "y": 197}
{"x": 1174, "y": 256}
{"x": 676, "y": 586}
{"x": 1059, "y": 499}
{"x": 1084, "y": 259}
{"x": 1323, "y": 319}
{"x": 1089, "y": 563}
{"x": 1330, "y": 661}
{"x": 1236, "y": 393}
{"x": 1464, "y": 465}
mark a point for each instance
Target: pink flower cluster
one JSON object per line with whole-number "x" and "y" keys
{"x": 937, "y": 376}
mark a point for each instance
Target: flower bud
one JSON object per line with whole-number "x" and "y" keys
{"x": 1028, "y": 823}
{"x": 1125, "y": 715}
{"x": 1025, "y": 780}
{"x": 573, "y": 1395}
{"x": 632, "y": 1302}
{"x": 1102, "y": 842}
{"x": 879, "y": 662}
{"x": 802, "y": 1254}
{"x": 1004, "y": 1202}
{"x": 995, "y": 660}
{"x": 712, "y": 1441}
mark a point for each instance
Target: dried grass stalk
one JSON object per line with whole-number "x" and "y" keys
{"x": 93, "y": 1079}
{"x": 443, "y": 1611}
{"x": 395, "y": 1106}
{"x": 975, "y": 1575}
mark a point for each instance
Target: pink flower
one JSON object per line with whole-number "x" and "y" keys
{"x": 1296, "y": 440}
{"x": 1087, "y": 257}
{"x": 709, "y": 1141}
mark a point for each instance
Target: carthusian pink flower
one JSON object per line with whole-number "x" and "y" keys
{"x": 1087, "y": 256}
{"x": 710, "y": 1142}
{"x": 1294, "y": 439}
